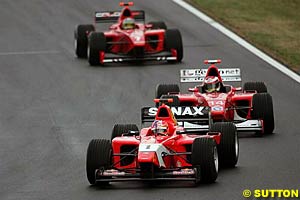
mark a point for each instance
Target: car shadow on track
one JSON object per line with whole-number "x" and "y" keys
{"x": 132, "y": 64}
{"x": 149, "y": 185}
{"x": 254, "y": 135}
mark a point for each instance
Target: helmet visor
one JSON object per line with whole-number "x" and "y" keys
{"x": 128, "y": 26}
{"x": 159, "y": 130}
{"x": 213, "y": 87}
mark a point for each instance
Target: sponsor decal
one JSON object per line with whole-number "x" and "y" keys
{"x": 217, "y": 108}
{"x": 107, "y": 14}
{"x": 198, "y": 75}
{"x": 202, "y": 72}
{"x": 184, "y": 172}
{"x": 113, "y": 172}
{"x": 180, "y": 111}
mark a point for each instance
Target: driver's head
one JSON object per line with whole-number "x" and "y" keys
{"x": 212, "y": 84}
{"x": 128, "y": 23}
{"x": 159, "y": 127}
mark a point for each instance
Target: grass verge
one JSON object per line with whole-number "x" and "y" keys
{"x": 271, "y": 25}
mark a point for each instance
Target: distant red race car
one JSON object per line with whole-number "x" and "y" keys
{"x": 128, "y": 39}
{"x": 250, "y": 108}
{"x": 165, "y": 150}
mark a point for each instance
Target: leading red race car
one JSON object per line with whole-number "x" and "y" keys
{"x": 128, "y": 39}
{"x": 250, "y": 108}
{"x": 165, "y": 150}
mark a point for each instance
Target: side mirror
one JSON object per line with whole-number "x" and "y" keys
{"x": 131, "y": 133}
{"x": 147, "y": 26}
{"x": 113, "y": 27}
{"x": 193, "y": 89}
{"x": 238, "y": 89}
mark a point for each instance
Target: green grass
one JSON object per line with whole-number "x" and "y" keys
{"x": 271, "y": 25}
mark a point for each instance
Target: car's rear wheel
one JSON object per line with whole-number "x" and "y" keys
{"x": 158, "y": 25}
{"x": 164, "y": 89}
{"x": 119, "y": 129}
{"x": 81, "y": 39}
{"x": 99, "y": 154}
{"x": 97, "y": 43}
{"x": 173, "y": 40}
{"x": 205, "y": 159}
{"x": 228, "y": 149}
{"x": 262, "y": 108}
{"x": 259, "y": 87}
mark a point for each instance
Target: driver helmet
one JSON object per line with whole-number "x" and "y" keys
{"x": 159, "y": 127}
{"x": 128, "y": 23}
{"x": 212, "y": 84}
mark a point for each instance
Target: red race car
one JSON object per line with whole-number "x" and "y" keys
{"x": 250, "y": 108}
{"x": 128, "y": 39}
{"x": 165, "y": 150}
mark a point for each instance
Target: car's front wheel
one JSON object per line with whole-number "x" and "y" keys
{"x": 228, "y": 148}
{"x": 99, "y": 156}
{"x": 173, "y": 40}
{"x": 81, "y": 39}
{"x": 262, "y": 108}
{"x": 97, "y": 44}
{"x": 205, "y": 159}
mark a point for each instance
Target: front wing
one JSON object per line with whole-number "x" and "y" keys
{"x": 114, "y": 175}
{"x": 162, "y": 56}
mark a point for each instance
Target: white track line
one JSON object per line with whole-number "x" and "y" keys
{"x": 28, "y": 53}
{"x": 239, "y": 40}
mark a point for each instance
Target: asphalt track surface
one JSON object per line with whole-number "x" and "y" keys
{"x": 52, "y": 104}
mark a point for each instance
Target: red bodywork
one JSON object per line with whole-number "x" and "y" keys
{"x": 127, "y": 40}
{"x": 176, "y": 142}
{"x": 222, "y": 103}
{"x": 228, "y": 104}
{"x": 137, "y": 155}
{"x": 140, "y": 43}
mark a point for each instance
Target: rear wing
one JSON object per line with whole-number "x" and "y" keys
{"x": 181, "y": 114}
{"x": 198, "y": 75}
{"x": 113, "y": 16}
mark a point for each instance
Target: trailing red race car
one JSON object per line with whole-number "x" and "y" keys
{"x": 128, "y": 39}
{"x": 165, "y": 150}
{"x": 250, "y": 108}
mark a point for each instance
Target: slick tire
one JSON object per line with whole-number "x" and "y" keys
{"x": 119, "y": 129}
{"x": 81, "y": 39}
{"x": 99, "y": 154}
{"x": 262, "y": 108}
{"x": 158, "y": 25}
{"x": 165, "y": 89}
{"x": 228, "y": 149}
{"x": 97, "y": 43}
{"x": 259, "y": 87}
{"x": 173, "y": 40}
{"x": 205, "y": 159}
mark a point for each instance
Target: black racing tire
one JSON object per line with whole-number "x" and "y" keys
{"x": 259, "y": 87}
{"x": 262, "y": 108}
{"x": 228, "y": 149}
{"x": 81, "y": 39}
{"x": 97, "y": 43}
{"x": 99, "y": 154}
{"x": 158, "y": 25}
{"x": 173, "y": 40}
{"x": 165, "y": 89}
{"x": 205, "y": 159}
{"x": 175, "y": 102}
{"x": 119, "y": 129}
